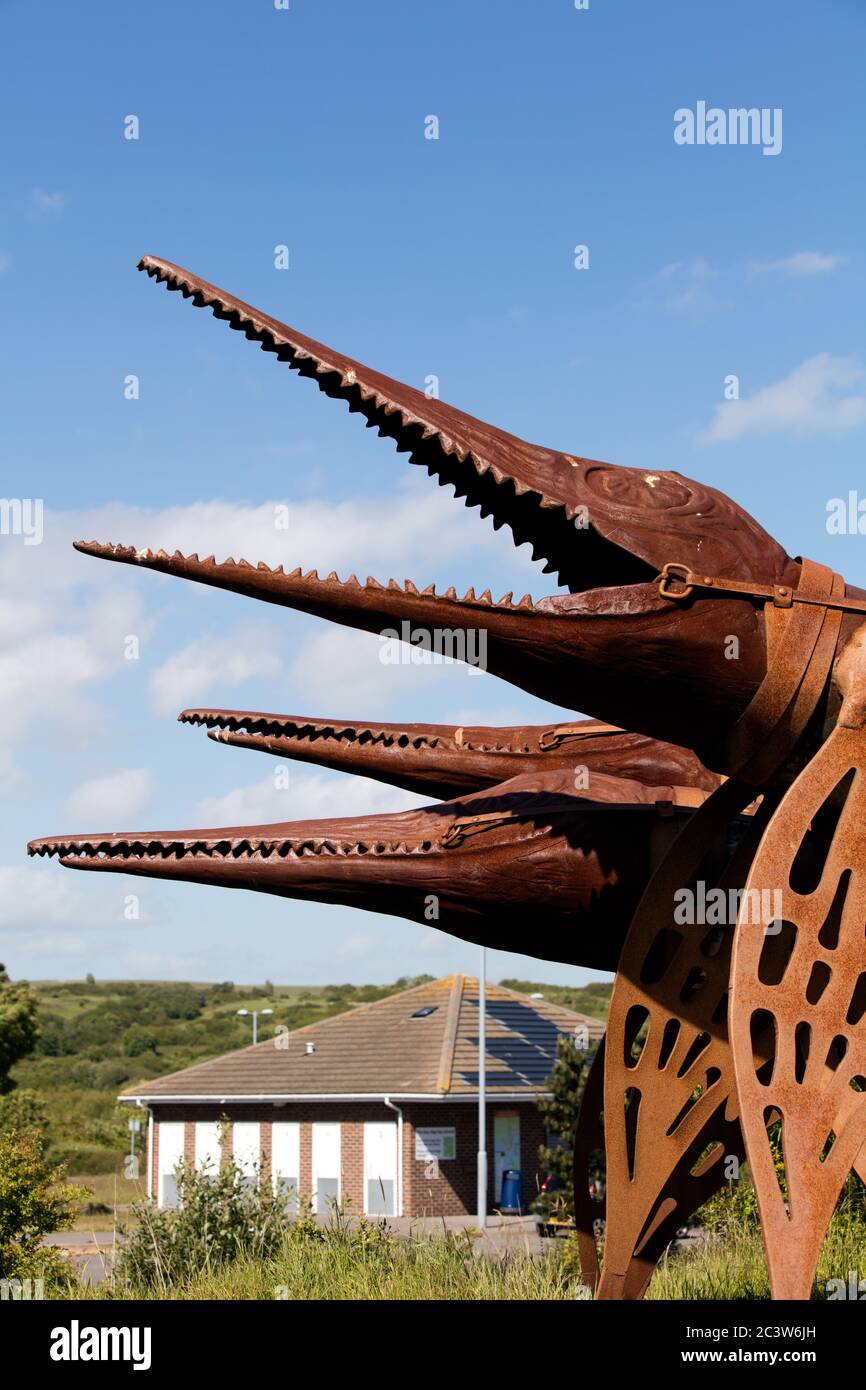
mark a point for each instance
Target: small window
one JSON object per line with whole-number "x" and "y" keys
{"x": 425, "y": 1012}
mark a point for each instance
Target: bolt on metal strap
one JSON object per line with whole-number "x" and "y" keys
{"x": 780, "y": 595}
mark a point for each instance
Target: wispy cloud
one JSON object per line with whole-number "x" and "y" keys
{"x": 343, "y": 672}
{"x": 5, "y": 262}
{"x": 42, "y": 203}
{"x": 190, "y": 674}
{"x": 64, "y": 619}
{"x": 110, "y": 799}
{"x": 818, "y": 397}
{"x": 688, "y": 286}
{"x": 802, "y": 263}
{"x": 302, "y": 796}
{"x": 39, "y": 897}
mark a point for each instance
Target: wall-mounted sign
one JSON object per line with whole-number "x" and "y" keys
{"x": 435, "y": 1143}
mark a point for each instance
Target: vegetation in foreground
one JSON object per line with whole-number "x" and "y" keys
{"x": 34, "y": 1201}
{"x": 366, "y": 1263}
{"x": 731, "y": 1264}
{"x": 229, "y": 1241}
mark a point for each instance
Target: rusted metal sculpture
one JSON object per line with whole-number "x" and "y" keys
{"x": 440, "y": 760}
{"x": 742, "y": 673}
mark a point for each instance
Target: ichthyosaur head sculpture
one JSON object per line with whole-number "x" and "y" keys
{"x": 610, "y": 644}
{"x": 722, "y": 675}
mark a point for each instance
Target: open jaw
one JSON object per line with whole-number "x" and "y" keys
{"x": 441, "y": 760}
{"x": 605, "y": 531}
{"x": 590, "y": 651}
{"x": 532, "y": 851}
{"x": 595, "y": 524}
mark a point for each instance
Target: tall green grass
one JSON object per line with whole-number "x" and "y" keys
{"x": 228, "y": 1241}
{"x": 731, "y": 1263}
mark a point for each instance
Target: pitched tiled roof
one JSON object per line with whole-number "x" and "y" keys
{"x": 423, "y": 1041}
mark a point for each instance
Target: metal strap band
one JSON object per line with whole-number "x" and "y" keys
{"x": 780, "y": 595}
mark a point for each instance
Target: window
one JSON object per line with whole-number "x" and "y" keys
{"x": 247, "y": 1148}
{"x": 326, "y": 1165}
{"x": 207, "y": 1147}
{"x": 170, "y": 1154}
{"x": 380, "y": 1168}
{"x": 286, "y": 1161}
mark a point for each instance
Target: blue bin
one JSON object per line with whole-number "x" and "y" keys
{"x": 512, "y": 1197}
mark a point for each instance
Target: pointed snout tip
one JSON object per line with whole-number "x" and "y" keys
{"x": 200, "y": 718}
{"x": 101, "y": 549}
{"x": 46, "y": 844}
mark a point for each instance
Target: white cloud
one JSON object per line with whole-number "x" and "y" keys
{"x": 62, "y": 631}
{"x": 357, "y": 946}
{"x": 815, "y": 398}
{"x": 33, "y": 897}
{"x": 342, "y": 675}
{"x": 44, "y": 944}
{"x": 417, "y": 524}
{"x": 803, "y": 263}
{"x": 45, "y": 204}
{"x": 191, "y": 673}
{"x": 41, "y": 894}
{"x": 64, "y": 617}
{"x": 307, "y": 796}
{"x": 434, "y": 943}
{"x": 109, "y": 800}
{"x": 5, "y": 262}
{"x": 688, "y": 286}
{"x": 163, "y": 965}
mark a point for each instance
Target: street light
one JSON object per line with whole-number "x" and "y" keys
{"x": 245, "y": 1013}
{"x": 482, "y": 1092}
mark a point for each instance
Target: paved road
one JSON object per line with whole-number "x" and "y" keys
{"x": 92, "y": 1251}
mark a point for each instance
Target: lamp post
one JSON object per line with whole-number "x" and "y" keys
{"x": 245, "y": 1013}
{"x": 482, "y": 1092}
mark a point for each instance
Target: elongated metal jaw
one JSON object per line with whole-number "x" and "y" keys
{"x": 590, "y": 651}
{"x": 605, "y": 531}
{"x": 445, "y": 761}
{"x": 596, "y": 524}
{"x": 480, "y": 867}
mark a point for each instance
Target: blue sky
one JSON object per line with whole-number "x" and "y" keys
{"x": 455, "y": 257}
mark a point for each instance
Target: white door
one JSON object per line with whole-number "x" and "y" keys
{"x": 207, "y": 1147}
{"x": 169, "y": 1154}
{"x": 326, "y": 1164}
{"x": 286, "y": 1160}
{"x": 247, "y": 1149}
{"x": 506, "y": 1148}
{"x": 380, "y": 1167}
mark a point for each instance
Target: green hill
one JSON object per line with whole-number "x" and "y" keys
{"x": 97, "y": 1038}
{"x": 592, "y": 999}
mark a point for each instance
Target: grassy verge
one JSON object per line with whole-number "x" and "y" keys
{"x": 395, "y": 1271}
{"x": 732, "y": 1265}
{"x": 343, "y": 1267}
{"x": 110, "y": 1202}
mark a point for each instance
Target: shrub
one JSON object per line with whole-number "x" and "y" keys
{"x": 559, "y": 1112}
{"x": 220, "y": 1217}
{"x": 33, "y": 1202}
{"x": 112, "y": 1073}
{"x": 86, "y": 1158}
{"x": 23, "y": 1110}
{"x": 19, "y": 1030}
{"x": 137, "y": 1040}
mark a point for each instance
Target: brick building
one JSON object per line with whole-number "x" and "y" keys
{"x": 378, "y": 1105}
